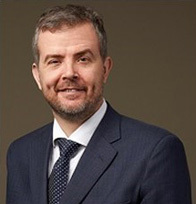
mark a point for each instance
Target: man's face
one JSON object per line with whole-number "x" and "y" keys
{"x": 71, "y": 71}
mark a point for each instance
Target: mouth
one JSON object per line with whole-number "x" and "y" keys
{"x": 71, "y": 90}
{"x": 72, "y": 93}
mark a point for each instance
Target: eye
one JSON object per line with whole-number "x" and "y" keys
{"x": 84, "y": 60}
{"x": 53, "y": 61}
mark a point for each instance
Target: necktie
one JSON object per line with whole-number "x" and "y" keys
{"x": 59, "y": 176}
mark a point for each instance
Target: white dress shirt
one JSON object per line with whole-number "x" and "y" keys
{"x": 81, "y": 135}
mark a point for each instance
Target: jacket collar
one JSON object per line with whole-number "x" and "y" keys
{"x": 98, "y": 155}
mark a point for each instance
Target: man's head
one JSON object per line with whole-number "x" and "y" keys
{"x": 71, "y": 62}
{"x": 71, "y": 15}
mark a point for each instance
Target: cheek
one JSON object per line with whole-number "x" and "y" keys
{"x": 49, "y": 80}
{"x": 95, "y": 81}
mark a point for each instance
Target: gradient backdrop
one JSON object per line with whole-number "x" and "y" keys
{"x": 153, "y": 45}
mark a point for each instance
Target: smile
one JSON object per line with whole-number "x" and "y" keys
{"x": 71, "y": 90}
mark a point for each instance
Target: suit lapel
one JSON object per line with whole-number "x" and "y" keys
{"x": 39, "y": 157}
{"x": 98, "y": 155}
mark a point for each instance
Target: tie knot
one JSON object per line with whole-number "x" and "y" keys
{"x": 67, "y": 147}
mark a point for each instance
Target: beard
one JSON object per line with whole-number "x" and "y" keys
{"x": 79, "y": 112}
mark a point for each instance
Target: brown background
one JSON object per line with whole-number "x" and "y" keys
{"x": 153, "y": 44}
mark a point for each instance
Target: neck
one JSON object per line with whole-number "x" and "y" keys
{"x": 67, "y": 126}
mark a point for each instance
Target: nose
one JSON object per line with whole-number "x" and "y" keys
{"x": 69, "y": 72}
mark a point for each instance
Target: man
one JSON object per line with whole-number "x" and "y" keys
{"x": 109, "y": 158}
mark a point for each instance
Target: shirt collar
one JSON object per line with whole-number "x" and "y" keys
{"x": 82, "y": 134}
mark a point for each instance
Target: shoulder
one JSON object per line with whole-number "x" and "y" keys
{"x": 25, "y": 141}
{"x": 142, "y": 129}
{"x": 138, "y": 134}
{"x": 143, "y": 136}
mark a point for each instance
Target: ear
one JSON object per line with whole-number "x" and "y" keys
{"x": 107, "y": 67}
{"x": 36, "y": 75}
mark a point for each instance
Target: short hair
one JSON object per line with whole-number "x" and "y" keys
{"x": 71, "y": 15}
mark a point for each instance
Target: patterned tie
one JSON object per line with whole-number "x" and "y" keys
{"x": 59, "y": 176}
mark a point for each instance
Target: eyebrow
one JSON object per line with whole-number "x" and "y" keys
{"x": 86, "y": 51}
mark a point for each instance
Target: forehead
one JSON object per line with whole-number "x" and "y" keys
{"x": 67, "y": 37}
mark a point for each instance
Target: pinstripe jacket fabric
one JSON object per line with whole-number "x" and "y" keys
{"x": 125, "y": 162}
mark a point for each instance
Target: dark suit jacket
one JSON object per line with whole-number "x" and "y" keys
{"x": 126, "y": 161}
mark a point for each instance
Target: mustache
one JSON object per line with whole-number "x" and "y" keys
{"x": 70, "y": 85}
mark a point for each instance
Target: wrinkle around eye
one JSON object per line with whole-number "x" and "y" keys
{"x": 84, "y": 60}
{"x": 53, "y": 63}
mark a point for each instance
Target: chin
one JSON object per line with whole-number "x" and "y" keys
{"x": 73, "y": 113}
{"x": 73, "y": 106}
